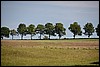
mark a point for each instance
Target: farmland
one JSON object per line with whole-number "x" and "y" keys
{"x": 50, "y": 52}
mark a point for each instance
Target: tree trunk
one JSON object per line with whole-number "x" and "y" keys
{"x": 74, "y": 36}
{"x": 88, "y": 36}
{"x": 31, "y": 36}
{"x": 40, "y": 36}
{"x": 49, "y": 36}
{"x": 12, "y": 37}
{"x": 22, "y": 37}
{"x": 2, "y": 37}
{"x": 59, "y": 36}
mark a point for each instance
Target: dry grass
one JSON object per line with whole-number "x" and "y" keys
{"x": 49, "y": 52}
{"x": 92, "y": 44}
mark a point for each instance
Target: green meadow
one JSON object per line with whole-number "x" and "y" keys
{"x": 80, "y": 52}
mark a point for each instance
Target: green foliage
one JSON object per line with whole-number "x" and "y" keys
{"x": 49, "y": 29}
{"x": 22, "y": 30}
{"x": 97, "y": 30}
{"x": 75, "y": 29}
{"x": 40, "y": 29}
{"x": 5, "y": 32}
{"x": 89, "y": 29}
{"x": 60, "y": 30}
{"x": 31, "y": 30}
{"x": 13, "y": 32}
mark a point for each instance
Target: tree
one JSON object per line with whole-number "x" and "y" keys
{"x": 49, "y": 29}
{"x": 5, "y": 32}
{"x": 75, "y": 29}
{"x": 22, "y": 30}
{"x": 97, "y": 30}
{"x": 13, "y": 32}
{"x": 40, "y": 29}
{"x": 60, "y": 30}
{"x": 31, "y": 30}
{"x": 89, "y": 29}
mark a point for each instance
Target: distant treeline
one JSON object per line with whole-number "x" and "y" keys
{"x": 49, "y": 29}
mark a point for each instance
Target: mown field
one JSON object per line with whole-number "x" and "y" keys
{"x": 81, "y": 52}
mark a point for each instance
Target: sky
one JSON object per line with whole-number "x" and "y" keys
{"x": 41, "y": 12}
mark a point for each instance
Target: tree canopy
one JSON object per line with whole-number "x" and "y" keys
{"x": 22, "y": 30}
{"x": 97, "y": 30}
{"x": 75, "y": 29}
{"x": 49, "y": 29}
{"x": 31, "y": 30}
{"x": 40, "y": 29}
{"x": 5, "y": 32}
{"x": 60, "y": 30}
{"x": 13, "y": 32}
{"x": 89, "y": 29}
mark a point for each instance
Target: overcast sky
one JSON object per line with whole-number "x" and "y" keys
{"x": 41, "y": 12}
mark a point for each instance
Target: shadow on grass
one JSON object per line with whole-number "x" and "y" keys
{"x": 94, "y": 63}
{"x": 85, "y": 66}
{"x": 81, "y": 66}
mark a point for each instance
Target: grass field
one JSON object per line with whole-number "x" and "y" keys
{"x": 50, "y": 52}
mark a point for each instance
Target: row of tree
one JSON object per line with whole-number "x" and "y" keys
{"x": 49, "y": 29}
